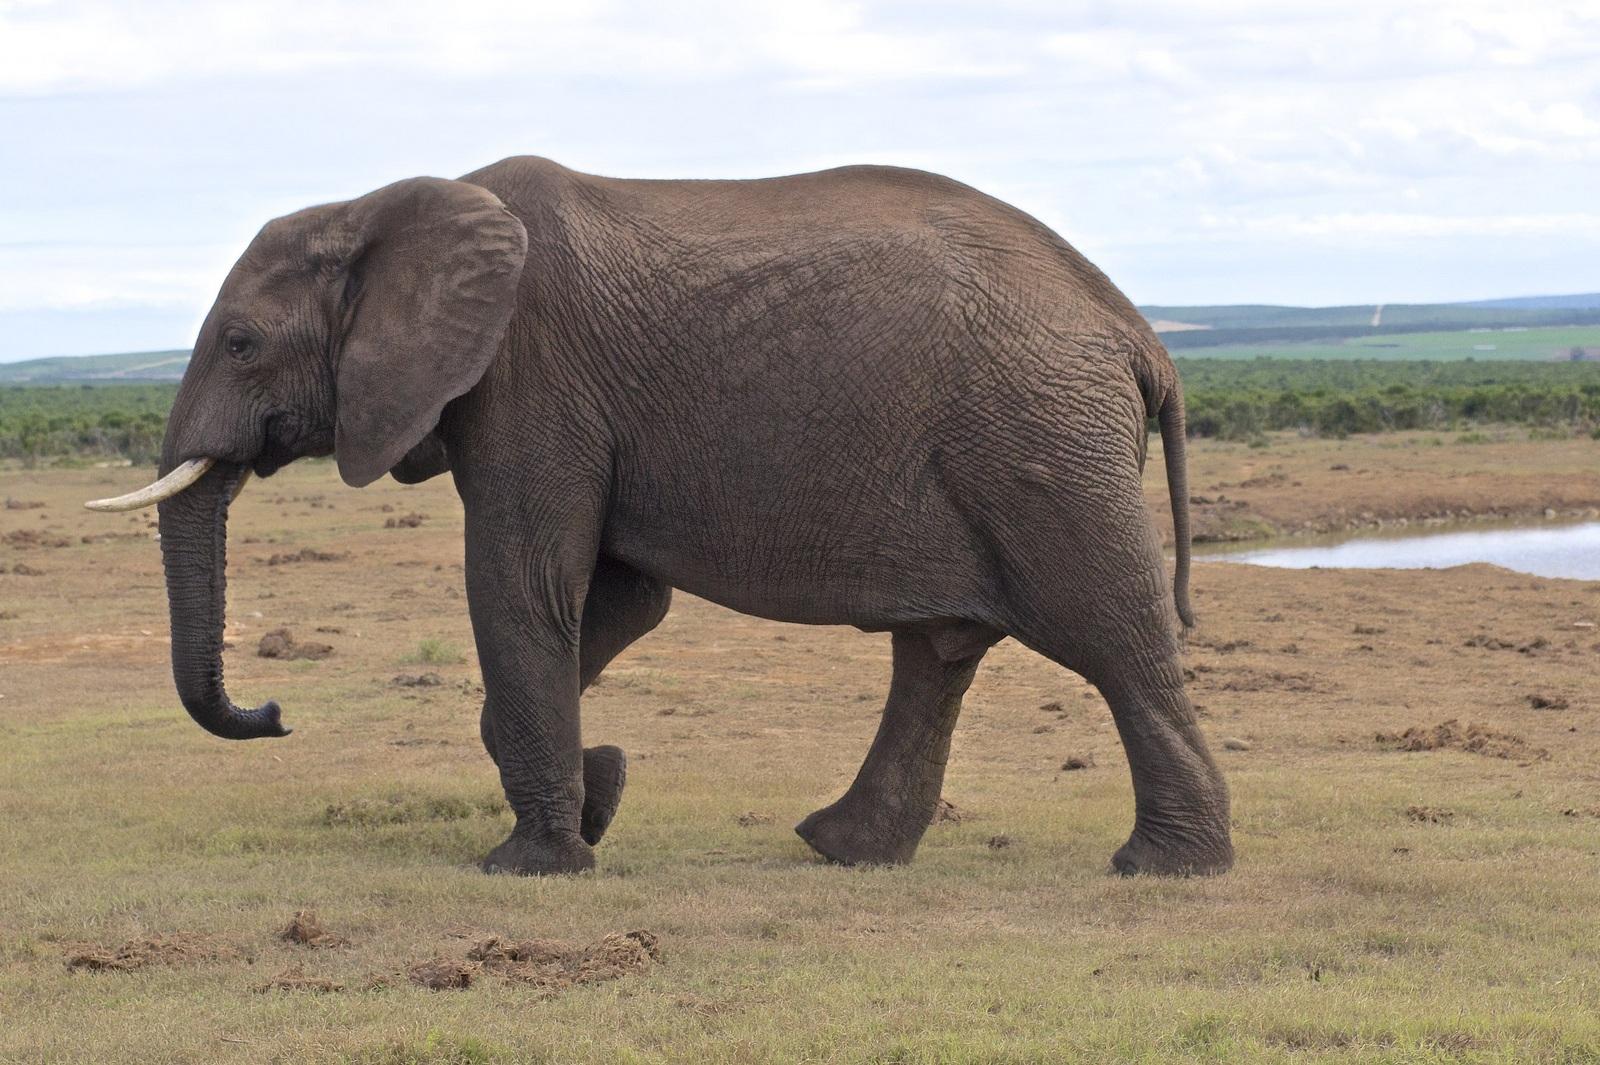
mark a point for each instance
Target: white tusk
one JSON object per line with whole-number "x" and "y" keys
{"x": 151, "y": 494}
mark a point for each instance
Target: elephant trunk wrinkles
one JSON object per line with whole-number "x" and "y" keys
{"x": 194, "y": 533}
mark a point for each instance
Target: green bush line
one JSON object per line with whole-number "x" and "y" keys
{"x": 85, "y": 421}
{"x": 1233, "y": 399}
{"x": 1240, "y": 399}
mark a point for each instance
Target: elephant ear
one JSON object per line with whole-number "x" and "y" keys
{"x": 431, "y": 270}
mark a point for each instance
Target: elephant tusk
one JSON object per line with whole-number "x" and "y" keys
{"x": 151, "y": 494}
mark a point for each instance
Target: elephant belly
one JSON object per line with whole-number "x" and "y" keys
{"x": 835, "y": 573}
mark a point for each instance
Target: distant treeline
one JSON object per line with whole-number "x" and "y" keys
{"x": 1237, "y": 399}
{"x": 110, "y": 421}
{"x": 1234, "y": 399}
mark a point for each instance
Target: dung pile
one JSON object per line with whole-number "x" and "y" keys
{"x": 306, "y": 929}
{"x": 547, "y": 964}
{"x": 177, "y": 948}
{"x": 280, "y": 643}
{"x": 1474, "y": 739}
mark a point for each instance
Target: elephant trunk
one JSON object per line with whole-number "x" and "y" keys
{"x": 194, "y": 535}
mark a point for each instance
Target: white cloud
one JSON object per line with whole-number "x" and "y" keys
{"x": 1174, "y": 140}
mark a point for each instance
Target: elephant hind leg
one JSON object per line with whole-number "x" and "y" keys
{"x": 621, "y": 605}
{"x": 880, "y": 820}
{"x": 1110, "y": 620}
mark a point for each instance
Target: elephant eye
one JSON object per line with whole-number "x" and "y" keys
{"x": 238, "y": 345}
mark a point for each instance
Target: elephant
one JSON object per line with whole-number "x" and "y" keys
{"x": 866, "y": 396}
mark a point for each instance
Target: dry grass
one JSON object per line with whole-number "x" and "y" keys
{"x": 1352, "y": 930}
{"x": 1294, "y": 486}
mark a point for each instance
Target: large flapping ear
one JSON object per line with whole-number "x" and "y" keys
{"x": 431, "y": 278}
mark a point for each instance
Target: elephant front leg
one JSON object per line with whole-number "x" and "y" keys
{"x": 605, "y": 773}
{"x": 620, "y": 606}
{"x": 882, "y": 817}
{"x": 525, "y": 604}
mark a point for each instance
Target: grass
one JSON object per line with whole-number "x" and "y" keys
{"x": 1348, "y": 932}
{"x": 435, "y": 652}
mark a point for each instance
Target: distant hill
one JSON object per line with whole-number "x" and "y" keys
{"x": 1526, "y": 311}
{"x": 133, "y": 366}
{"x": 1229, "y": 331}
{"x": 1296, "y": 331}
{"x": 1588, "y": 301}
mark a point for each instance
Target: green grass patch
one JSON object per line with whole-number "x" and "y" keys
{"x": 435, "y": 652}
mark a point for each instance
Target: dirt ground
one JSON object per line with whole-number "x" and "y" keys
{"x": 1296, "y": 486}
{"x": 1414, "y": 757}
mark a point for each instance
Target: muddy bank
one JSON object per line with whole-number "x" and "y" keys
{"x": 1308, "y": 487}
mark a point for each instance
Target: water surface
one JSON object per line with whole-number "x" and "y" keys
{"x": 1546, "y": 551}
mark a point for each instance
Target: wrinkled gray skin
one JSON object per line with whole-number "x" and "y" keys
{"x": 866, "y": 396}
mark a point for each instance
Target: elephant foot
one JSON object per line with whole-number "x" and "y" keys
{"x": 605, "y": 773}
{"x": 1148, "y": 855}
{"x": 853, "y": 832}
{"x": 524, "y": 856}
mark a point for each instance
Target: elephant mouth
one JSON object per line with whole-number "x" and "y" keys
{"x": 286, "y": 438}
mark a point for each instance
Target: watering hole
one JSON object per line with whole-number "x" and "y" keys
{"x": 1571, "y": 551}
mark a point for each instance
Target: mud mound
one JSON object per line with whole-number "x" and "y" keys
{"x": 1429, "y": 815}
{"x": 949, "y": 813}
{"x": 22, "y": 569}
{"x": 179, "y": 948}
{"x": 750, "y": 819}
{"x": 1547, "y": 702}
{"x": 1474, "y": 739}
{"x": 307, "y": 929}
{"x": 1077, "y": 762}
{"x": 22, "y": 504}
{"x": 409, "y": 521}
{"x": 295, "y": 979}
{"x": 305, "y": 554}
{"x": 417, "y": 680}
{"x": 280, "y": 643}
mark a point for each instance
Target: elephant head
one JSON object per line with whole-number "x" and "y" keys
{"x": 343, "y": 329}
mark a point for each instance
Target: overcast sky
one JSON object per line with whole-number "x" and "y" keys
{"x": 1209, "y": 151}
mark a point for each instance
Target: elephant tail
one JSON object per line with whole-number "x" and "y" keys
{"x": 1174, "y": 451}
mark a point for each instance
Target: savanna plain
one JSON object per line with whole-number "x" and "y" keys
{"x": 1414, "y": 758}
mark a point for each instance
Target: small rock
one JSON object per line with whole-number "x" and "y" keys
{"x": 1547, "y": 702}
{"x": 750, "y": 819}
{"x": 1000, "y": 842}
{"x": 418, "y": 680}
{"x": 1234, "y": 744}
{"x": 1078, "y": 761}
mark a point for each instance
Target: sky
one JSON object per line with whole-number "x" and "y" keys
{"x": 1209, "y": 151}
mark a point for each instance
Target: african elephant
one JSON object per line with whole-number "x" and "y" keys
{"x": 866, "y": 396}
